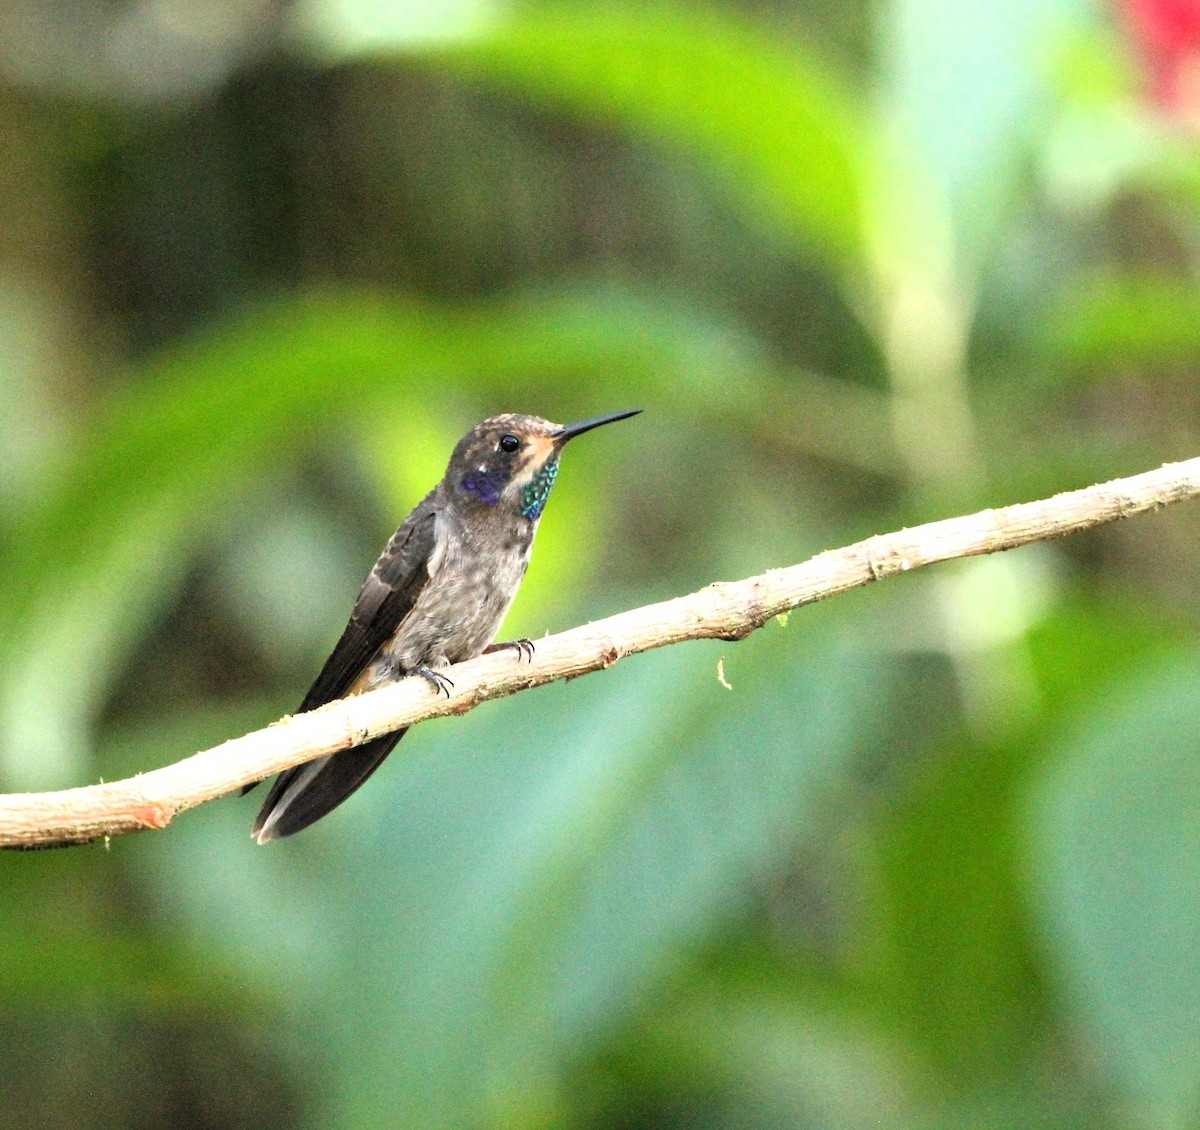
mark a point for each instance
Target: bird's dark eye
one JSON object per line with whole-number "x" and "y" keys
{"x": 509, "y": 444}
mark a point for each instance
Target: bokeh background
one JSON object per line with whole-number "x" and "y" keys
{"x": 932, "y": 861}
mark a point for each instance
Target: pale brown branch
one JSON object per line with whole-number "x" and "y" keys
{"x": 727, "y": 610}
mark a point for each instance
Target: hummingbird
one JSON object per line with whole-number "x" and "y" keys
{"x": 437, "y": 595}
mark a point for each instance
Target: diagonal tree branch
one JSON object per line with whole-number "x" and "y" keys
{"x": 727, "y": 610}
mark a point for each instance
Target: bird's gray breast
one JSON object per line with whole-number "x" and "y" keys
{"x": 475, "y": 569}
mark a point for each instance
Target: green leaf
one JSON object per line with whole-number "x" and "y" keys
{"x": 951, "y": 951}
{"x": 1115, "y": 827}
{"x": 1114, "y": 323}
{"x": 766, "y": 1053}
{"x": 775, "y": 125}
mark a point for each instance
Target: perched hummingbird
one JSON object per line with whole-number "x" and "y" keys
{"x": 436, "y": 596}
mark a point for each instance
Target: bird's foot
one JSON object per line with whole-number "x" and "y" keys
{"x": 523, "y": 648}
{"x": 436, "y": 679}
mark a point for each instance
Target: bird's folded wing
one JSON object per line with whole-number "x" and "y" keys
{"x": 387, "y": 597}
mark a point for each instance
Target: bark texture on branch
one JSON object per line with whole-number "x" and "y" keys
{"x": 727, "y": 610}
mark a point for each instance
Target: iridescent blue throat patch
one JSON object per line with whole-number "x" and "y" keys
{"x": 533, "y": 497}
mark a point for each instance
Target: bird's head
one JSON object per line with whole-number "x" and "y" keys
{"x": 511, "y": 460}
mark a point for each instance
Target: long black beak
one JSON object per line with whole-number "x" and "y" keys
{"x": 573, "y": 430}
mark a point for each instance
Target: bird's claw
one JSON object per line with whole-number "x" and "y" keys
{"x": 436, "y": 679}
{"x": 523, "y": 648}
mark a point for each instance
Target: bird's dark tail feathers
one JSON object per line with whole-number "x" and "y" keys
{"x": 301, "y": 796}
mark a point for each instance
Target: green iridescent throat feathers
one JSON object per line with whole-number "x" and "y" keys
{"x": 533, "y": 497}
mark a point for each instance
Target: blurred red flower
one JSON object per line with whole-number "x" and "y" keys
{"x": 1167, "y": 35}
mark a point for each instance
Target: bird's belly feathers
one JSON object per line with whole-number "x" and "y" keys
{"x": 462, "y": 607}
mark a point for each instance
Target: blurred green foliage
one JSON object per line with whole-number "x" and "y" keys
{"x": 931, "y": 862}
